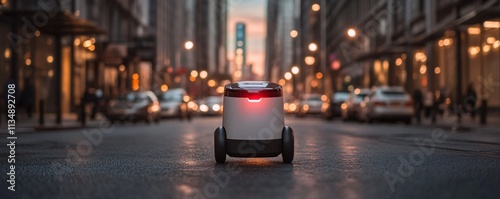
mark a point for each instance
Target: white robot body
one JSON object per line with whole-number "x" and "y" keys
{"x": 246, "y": 119}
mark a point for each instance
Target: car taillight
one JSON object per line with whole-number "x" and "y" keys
{"x": 409, "y": 104}
{"x": 379, "y": 103}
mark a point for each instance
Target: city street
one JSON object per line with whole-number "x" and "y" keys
{"x": 333, "y": 159}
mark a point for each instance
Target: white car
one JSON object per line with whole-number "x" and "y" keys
{"x": 310, "y": 105}
{"x": 387, "y": 103}
{"x": 211, "y": 105}
{"x": 351, "y": 107}
{"x": 174, "y": 103}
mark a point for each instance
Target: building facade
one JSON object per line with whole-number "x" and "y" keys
{"x": 65, "y": 47}
{"x": 442, "y": 46}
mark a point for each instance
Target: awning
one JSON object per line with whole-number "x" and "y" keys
{"x": 63, "y": 23}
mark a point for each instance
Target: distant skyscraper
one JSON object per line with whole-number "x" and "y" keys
{"x": 240, "y": 58}
{"x": 281, "y": 16}
{"x": 210, "y": 35}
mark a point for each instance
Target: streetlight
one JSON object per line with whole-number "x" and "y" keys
{"x": 313, "y": 47}
{"x": 315, "y": 7}
{"x": 188, "y": 45}
{"x": 294, "y": 33}
{"x": 295, "y": 70}
{"x": 288, "y": 76}
{"x": 310, "y": 60}
{"x": 319, "y": 75}
{"x": 194, "y": 73}
{"x": 351, "y": 33}
{"x": 203, "y": 74}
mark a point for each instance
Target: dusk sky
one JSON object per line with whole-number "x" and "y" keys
{"x": 253, "y": 13}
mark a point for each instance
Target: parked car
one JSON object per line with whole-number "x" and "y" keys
{"x": 211, "y": 105}
{"x": 332, "y": 107}
{"x": 351, "y": 107}
{"x": 310, "y": 105}
{"x": 174, "y": 103}
{"x": 387, "y": 103}
{"x": 134, "y": 106}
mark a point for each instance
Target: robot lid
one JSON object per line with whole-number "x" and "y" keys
{"x": 253, "y": 90}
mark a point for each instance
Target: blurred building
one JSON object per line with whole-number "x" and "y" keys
{"x": 440, "y": 45}
{"x": 240, "y": 57}
{"x": 65, "y": 47}
{"x": 210, "y": 35}
{"x": 282, "y": 18}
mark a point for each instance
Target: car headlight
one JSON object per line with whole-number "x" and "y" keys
{"x": 204, "y": 108}
{"x": 216, "y": 107}
{"x": 305, "y": 107}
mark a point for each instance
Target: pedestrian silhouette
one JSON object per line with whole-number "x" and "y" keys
{"x": 28, "y": 97}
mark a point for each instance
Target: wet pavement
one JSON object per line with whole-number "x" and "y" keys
{"x": 174, "y": 159}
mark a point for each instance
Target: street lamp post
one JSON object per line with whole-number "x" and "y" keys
{"x": 295, "y": 72}
{"x": 203, "y": 75}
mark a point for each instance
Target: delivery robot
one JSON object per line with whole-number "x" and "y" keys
{"x": 253, "y": 123}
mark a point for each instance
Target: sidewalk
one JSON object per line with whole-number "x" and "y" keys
{"x": 467, "y": 123}
{"x": 69, "y": 122}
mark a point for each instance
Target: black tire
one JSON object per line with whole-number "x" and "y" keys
{"x": 288, "y": 144}
{"x": 408, "y": 121}
{"x": 220, "y": 145}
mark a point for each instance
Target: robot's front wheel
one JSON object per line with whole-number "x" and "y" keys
{"x": 220, "y": 145}
{"x": 288, "y": 144}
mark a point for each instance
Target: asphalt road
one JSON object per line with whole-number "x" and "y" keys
{"x": 175, "y": 160}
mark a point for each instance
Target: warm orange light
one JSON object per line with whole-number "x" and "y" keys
{"x": 77, "y": 42}
{"x": 447, "y": 42}
{"x": 194, "y": 73}
{"x": 315, "y": 7}
{"x": 288, "y": 76}
{"x": 399, "y": 62}
{"x": 164, "y": 88}
{"x": 192, "y": 79}
{"x": 294, "y": 33}
{"x": 423, "y": 69}
{"x": 203, "y": 74}
{"x": 211, "y": 83}
{"x": 319, "y": 75}
{"x": 496, "y": 44}
{"x": 282, "y": 82}
{"x": 437, "y": 70}
{"x": 474, "y": 31}
{"x": 474, "y": 50}
{"x": 6, "y": 53}
{"x": 220, "y": 90}
{"x": 491, "y": 24}
{"x": 324, "y": 98}
{"x": 486, "y": 48}
{"x": 87, "y": 43}
{"x": 50, "y": 59}
{"x": 310, "y": 60}
{"x": 491, "y": 40}
{"x": 314, "y": 84}
{"x": 135, "y": 76}
{"x": 313, "y": 47}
